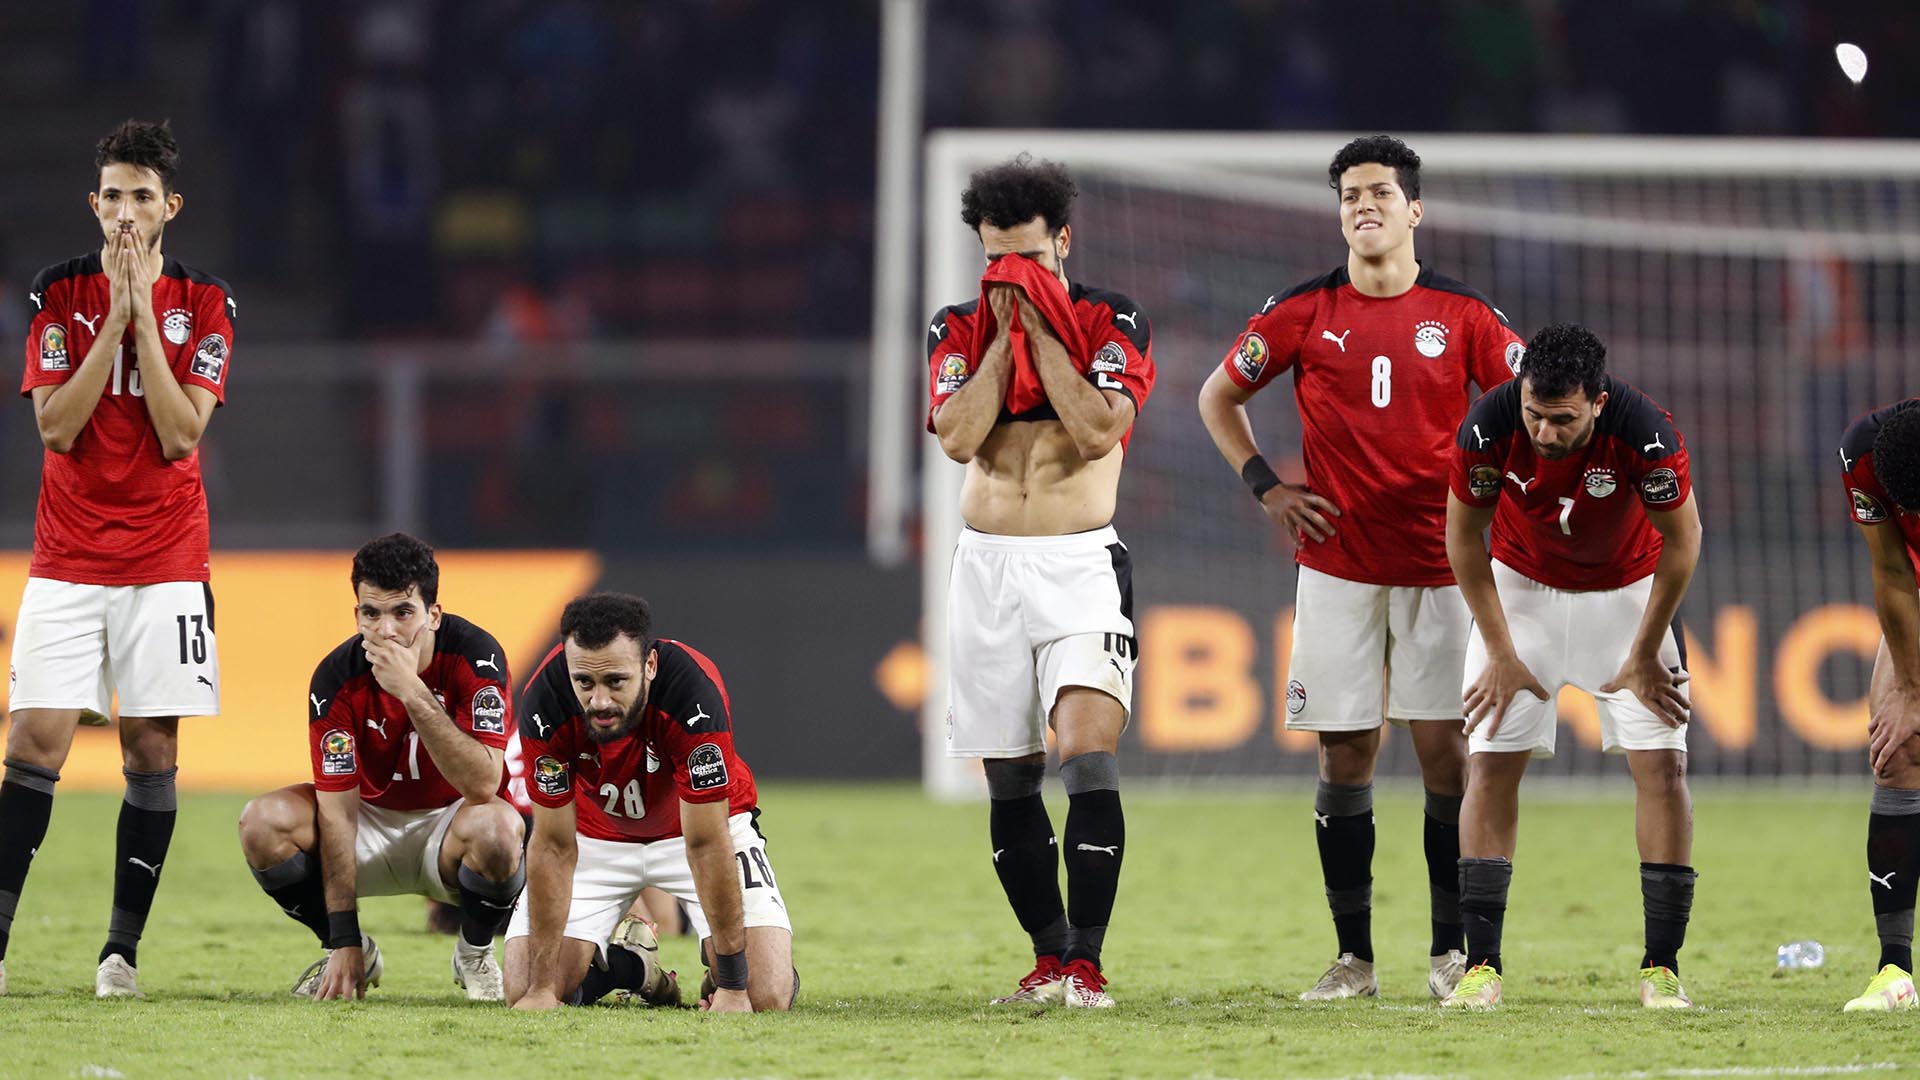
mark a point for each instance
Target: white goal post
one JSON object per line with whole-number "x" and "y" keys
{"x": 1760, "y": 288}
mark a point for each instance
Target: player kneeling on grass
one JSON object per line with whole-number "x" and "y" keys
{"x": 1880, "y": 457}
{"x": 407, "y": 723}
{"x": 1595, "y": 537}
{"x": 635, "y": 783}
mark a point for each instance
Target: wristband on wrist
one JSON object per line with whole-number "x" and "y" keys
{"x": 343, "y": 929}
{"x": 1259, "y": 476}
{"x": 730, "y": 970}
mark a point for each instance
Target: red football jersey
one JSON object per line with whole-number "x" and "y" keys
{"x": 114, "y": 510}
{"x": 360, "y": 735}
{"x": 1576, "y": 523}
{"x": 1866, "y": 499}
{"x": 1117, "y": 331}
{"x": 1381, "y": 384}
{"x": 630, "y": 789}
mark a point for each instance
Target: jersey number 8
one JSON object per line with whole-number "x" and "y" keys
{"x": 1382, "y": 382}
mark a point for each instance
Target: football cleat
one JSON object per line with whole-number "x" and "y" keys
{"x": 638, "y": 936}
{"x": 1044, "y": 985}
{"x": 1660, "y": 989}
{"x": 1083, "y": 987}
{"x": 476, "y": 971}
{"x": 116, "y": 978}
{"x": 308, "y": 984}
{"x": 1445, "y": 973}
{"x": 1349, "y": 977}
{"x": 1479, "y": 989}
{"x": 1891, "y": 990}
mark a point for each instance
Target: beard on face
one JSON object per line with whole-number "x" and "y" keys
{"x": 628, "y": 722}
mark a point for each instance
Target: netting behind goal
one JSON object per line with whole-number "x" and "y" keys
{"x": 1766, "y": 292}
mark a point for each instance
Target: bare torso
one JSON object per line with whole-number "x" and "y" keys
{"x": 1028, "y": 479}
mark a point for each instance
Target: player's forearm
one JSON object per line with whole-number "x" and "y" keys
{"x": 549, "y": 894}
{"x": 471, "y": 766}
{"x": 169, "y": 408}
{"x": 1473, "y": 572}
{"x": 964, "y": 420}
{"x": 1897, "y": 604}
{"x": 1671, "y": 576}
{"x": 339, "y": 825}
{"x": 1225, "y": 415}
{"x": 70, "y": 405}
{"x": 716, "y": 881}
{"x": 1089, "y": 417}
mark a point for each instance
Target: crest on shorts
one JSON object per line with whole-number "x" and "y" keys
{"x": 1866, "y": 508}
{"x": 336, "y": 754}
{"x": 489, "y": 711}
{"x": 1483, "y": 481}
{"x": 1660, "y": 486}
{"x": 550, "y": 776}
{"x": 1297, "y": 690}
{"x": 1601, "y": 482}
{"x": 706, "y": 767}
{"x": 953, "y": 374}
{"x": 53, "y": 349}
{"x": 1430, "y": 338}
{"x": 1250, "y": 359}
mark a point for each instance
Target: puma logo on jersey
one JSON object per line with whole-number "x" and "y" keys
{"x": 1846, "y": 464}
{"x": 1656, "y": 444}
{"x": 541, "y": 725}
{"x": 490, "y": 661}
{"x": 1483, "y": 440}
{"x": 1884, "y": 881}
{"x": 1113, "y": 851}
{"x": 379, "y": 726}
{"x": 1131, "y": 317}
{"x": 699, "y": 714}
{"x": 1268, "y": 306}
{"x": 35, "y": 297}
{"x": 1341, "y": 340}
{"x": 93, "y": 325}
{"x": 1521, "y": 484}
{"x": 937, "y": 329}
{"x": 154, "y": 868}
{"x": 319, "y": 704}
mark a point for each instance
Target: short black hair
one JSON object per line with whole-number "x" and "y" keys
{"x": 1896, "y": 458}
{"x": 1013, "y": 193}
{"x": 1379, "y": 150}
{"x": 594, "y": 620}
{"x": 137, "y": 142}
{"x": 396, "y": 561}
{"x": 1562, "y": 358}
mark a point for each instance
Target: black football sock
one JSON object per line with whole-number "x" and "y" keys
{"x": 1483, "y": 907}
{"x": 1025, "y": 856}
{"x": 1095, "y": 838}
{"x": 486, "y": 904}
{"x": 1343, "y": 826}
{"x": 140, "y": 850}
{"x": 624, "y": 971}
{"x": 295, "y": 884}
{"x": 1666, "y": 895}
{"x": 1443, "y": 872}
{"x": 26, "y": 805}
{"x": 1893, "y": 869}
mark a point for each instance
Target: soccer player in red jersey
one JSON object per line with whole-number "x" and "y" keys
{"x": 1880, "y": 464}
{"x": 126, "y": 359}
{"x": 1382, "y": 351}
{"x": 407, "y": 723}
{"x": 1035, "y": 388}
{"x": 1595, "y": 536}
{"x": 635, "y": 783}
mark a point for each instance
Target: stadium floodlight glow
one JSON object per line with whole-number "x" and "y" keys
{"x": 1853, "y": 61}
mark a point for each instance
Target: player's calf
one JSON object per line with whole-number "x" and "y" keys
{"x": 26, "y": 806}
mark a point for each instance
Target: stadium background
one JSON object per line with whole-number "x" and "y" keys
{"x": 583, "y": 293}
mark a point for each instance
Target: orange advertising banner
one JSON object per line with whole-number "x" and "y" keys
{"x": 277, "y": 614}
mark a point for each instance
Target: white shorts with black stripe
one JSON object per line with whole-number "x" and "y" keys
{"x": 75, "y": 646}
{"x": 1028, "y": 617}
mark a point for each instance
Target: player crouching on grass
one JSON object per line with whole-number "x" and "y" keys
{"x": 408, "y": 724}
{"x": 1595, "y": 537}
{"x": 635, "y": 783}
{"x": 1880, "y": 459}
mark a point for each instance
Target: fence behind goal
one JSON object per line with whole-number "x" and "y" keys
{"x": 1766, "y": 291}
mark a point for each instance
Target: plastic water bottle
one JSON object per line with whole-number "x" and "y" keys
{"x": 1799, "y": 954}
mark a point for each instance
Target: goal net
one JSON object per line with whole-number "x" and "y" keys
{"x": 1765, "y": 291}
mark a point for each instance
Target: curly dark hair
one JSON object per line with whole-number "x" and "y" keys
{"x": 1009, "y": 195}
{"x": 1562, "y": 358}
{"x": 594, "y": 620}
{"x": 1896, "y": 458}
{"x": 136, "y": 142}
{"x": 1379, "y": 150}
{"x": 395, "y": 561}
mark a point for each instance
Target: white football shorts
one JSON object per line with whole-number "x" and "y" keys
{"x": 1572, "y": 639}
{"x": 398, "y": 852}
{"x": 1027, "y": 617}
{"x": 75, "y": 646}
{"x": 1366, "y": 653}
{"x": 609, "y": 874}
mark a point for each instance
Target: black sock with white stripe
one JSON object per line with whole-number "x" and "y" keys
{"x": 26, "y": 805}
{"x": 1025, "y": 857}
{"x": 1893, "y": 871}
{"x": 295, "y": 884}
{"x": 1095, "y": 839}
{"x": 144, "y": 834}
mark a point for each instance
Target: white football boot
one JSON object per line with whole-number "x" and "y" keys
{"x": 116, "y": 978}
{"x": 1349, "y": 977}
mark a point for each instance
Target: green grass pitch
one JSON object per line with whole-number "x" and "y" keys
{"x": 902, "y": 935}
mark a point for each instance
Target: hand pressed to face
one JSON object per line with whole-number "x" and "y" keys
{"x": 396, "y": 632}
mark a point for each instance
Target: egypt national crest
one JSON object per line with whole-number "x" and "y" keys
{"x": 336, "y": 754}
{"x": 177, "y": 325}
{"x": 1601, "y": 482}
{"x": 210, "y": 358}
{"x": 706, "y": 767}
{"x": 1251, "y": 358}
{"x": 489, "y": 711}
{"x": 1866, "y": 508}
{"x": 53, "y": 349}
{"x": 953, "y": 374}
{"x": 550, "y": 776}
{"x": 1430, "y": 338}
